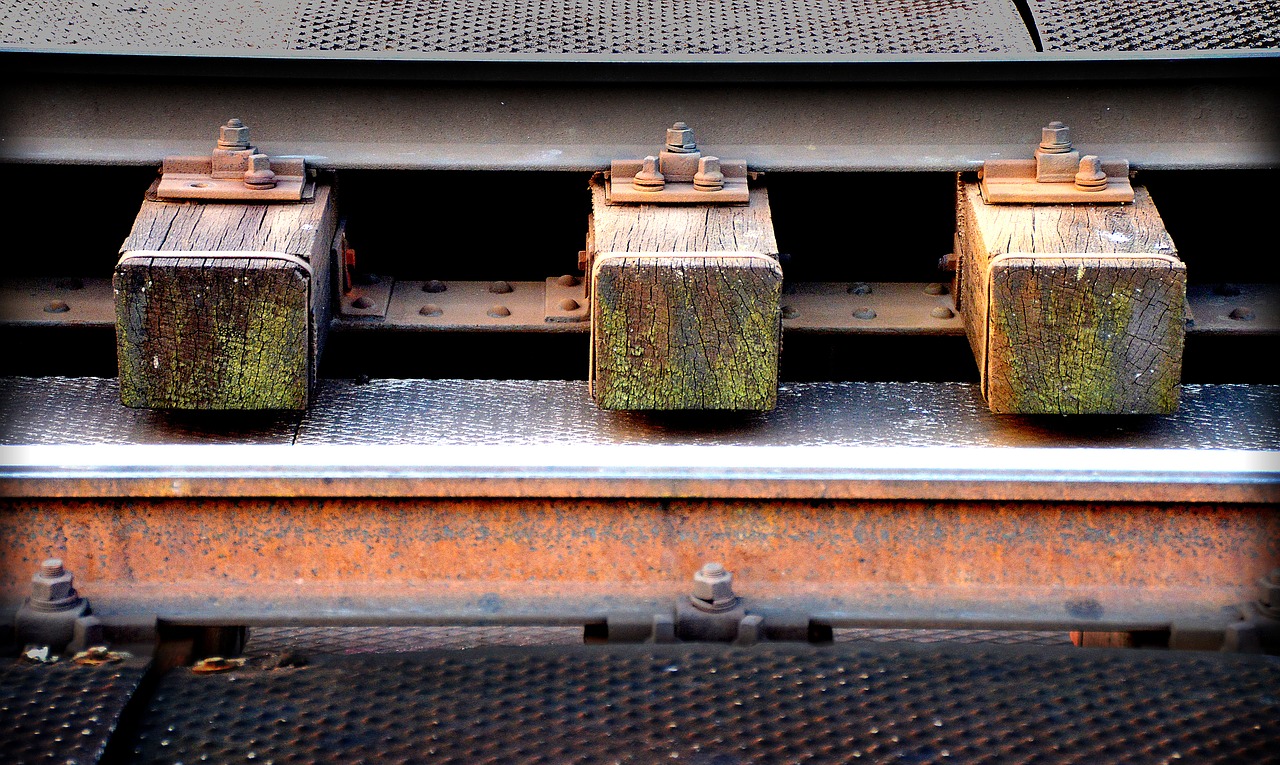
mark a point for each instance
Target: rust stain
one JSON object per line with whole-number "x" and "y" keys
{"x": 555, "y": 546}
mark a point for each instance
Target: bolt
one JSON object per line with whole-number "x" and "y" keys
{"x": 52, "y": 588}
{"x": 500, "y": 288}
{"x": 259, "y": 175}
{"x": 713, "y": 588}
{"x": 233, "y": 136}
{"x": 1090, "y": 176}
{"x": 499, "y": 311}
{"x": 708, "y": 177}
{"x": 1055, "y": 138}
{"x": 649, "y": 178}
{"x": 680, "y": 139}
{"x": 1242, "y": 313}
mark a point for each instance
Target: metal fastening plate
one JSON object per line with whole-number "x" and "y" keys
{"x": 622, "y": 173}
{"x": 1056, "y": 174}
{"x": 679, "y": 174}
{"x": 192, "y": 178}
{"x": 1013, "y": 181}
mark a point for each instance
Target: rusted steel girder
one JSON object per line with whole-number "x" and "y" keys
{"x": 1076, "y": 565}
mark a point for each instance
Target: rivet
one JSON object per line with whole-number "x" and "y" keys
{"x": 936, "y": 288}
{"x": 569, "y": 304}
{"x": 362, "y": 303}
{"x": 499, "y": 311}
{"x": 435, "y": 285}
{"x": 1242, "y": 313}
{"x": 431, "y": 309}
{"x": 500, "y": 288}
{"x": 942, "y": 312}
{"x": 57, "y": 306}
{"x": 568, "y": 280}
{"x": 859, "y": 288}
{"x": 788, "y": 312}
{"x": 864, "y": 313}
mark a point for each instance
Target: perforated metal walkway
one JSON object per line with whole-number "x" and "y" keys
{"x": 869, "y": 703}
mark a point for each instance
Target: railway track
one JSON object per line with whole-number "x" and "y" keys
{"x": 410, "y": 562}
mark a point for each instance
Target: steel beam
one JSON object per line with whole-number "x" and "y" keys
{"x": 582, "y": 125}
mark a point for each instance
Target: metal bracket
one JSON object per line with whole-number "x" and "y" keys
{"x": 235, "y": 172}
{"x": 679, "y": 174}
{"x": 1057, "y": 175}
{"x": 566, "y": 299}
{"x": 359, "y": 295}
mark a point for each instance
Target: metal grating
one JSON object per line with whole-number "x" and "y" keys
{"x": 1122, "y": 25}
{"x": 642, "y": 27}
{"x": 657, "y": 27}
{"x": 706, "y": 704}
{"x": 62, "y": 713}
{"x": 194, "y": 25}
{"x": 311, "y": 641}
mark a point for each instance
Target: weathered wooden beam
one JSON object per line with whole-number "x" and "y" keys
{"x": 1071, "y": 309}
{"x": 684, "y": 305}
{"x": 222, "y": 305}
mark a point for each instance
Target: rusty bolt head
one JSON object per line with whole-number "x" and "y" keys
{"x": 259, "y": 174}
{"x": 233, "y": 136}
{"x": 649, "y": 178}
{"x": 52, "y": 584}
{"x": 1090, "y": 176}
{"x": 680, "y": 139}
{"x": 713, "y": 584}
{"x": 1055, "y": 138}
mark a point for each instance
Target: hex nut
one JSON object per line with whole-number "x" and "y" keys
{"x": 50, "y": 589}
{"x": 1055, "y": 138}
{"x": 680, "y": 139}
{"x": 233, "y": 136}
{"x": 713, "y": 583}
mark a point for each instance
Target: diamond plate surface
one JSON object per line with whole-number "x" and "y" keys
{"x": 519, "y": 412}
{"x": 64, "y": 712}
{"x": 352, "y": 640}
{"x": 706, "y": 704}
{"x": 87, "y": 410}
{"x": 59, "y": 410}
{"x": 967, "y": 637}
{"x": 1120, "y": 25}
{"x": 642, "y": 27}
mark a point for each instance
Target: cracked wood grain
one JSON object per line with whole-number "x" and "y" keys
{"x": 1072, "y": 309}
{"x": 224, "y": 333}
{"x": 684, "y": 305}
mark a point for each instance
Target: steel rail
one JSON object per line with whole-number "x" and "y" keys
{"x": 515, "y": 122}
{"x": 792, "y": 472}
